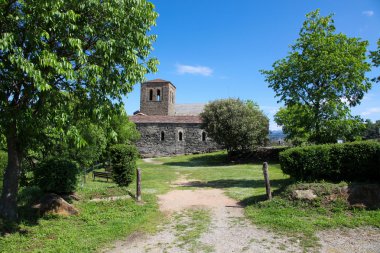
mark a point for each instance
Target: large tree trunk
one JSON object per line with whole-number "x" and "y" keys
{"x": 8, "y": 201}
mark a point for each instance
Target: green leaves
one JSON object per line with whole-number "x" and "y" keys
{"x": 324, "y": 73}
{"x": 236, "y": 125}
{"x": 375, "y": 57}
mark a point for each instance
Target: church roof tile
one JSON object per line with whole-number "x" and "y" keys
{"x": 165, "y": 119}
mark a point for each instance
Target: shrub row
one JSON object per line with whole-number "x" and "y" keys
{"x": 355, "y": 161}
{"x": 266, "y": 154}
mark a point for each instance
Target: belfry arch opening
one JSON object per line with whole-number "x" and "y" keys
{"x": 150, "y": 95}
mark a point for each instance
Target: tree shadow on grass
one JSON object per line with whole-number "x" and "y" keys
{"x": 280, "y": 184}
{"x": 210, "y": 160}
{"x": 28, "y": 215}
{"x": 238, "y": 183}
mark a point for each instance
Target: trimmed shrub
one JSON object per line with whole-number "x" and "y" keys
{"x": 56, "y": 175}
{"x": 123, "y": 161}
{"x": 266, "y": 154}
{"x": 355, "y": 161}
{"x": 3, "y": 165}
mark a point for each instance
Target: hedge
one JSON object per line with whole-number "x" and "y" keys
{"x": 355, "y": 161}
{"x": 266, "y": 154}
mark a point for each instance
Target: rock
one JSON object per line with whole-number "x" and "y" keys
{"x": 304, "y": 194}
{"x": 54, "y": 204}
{"x": 71, "y": 196}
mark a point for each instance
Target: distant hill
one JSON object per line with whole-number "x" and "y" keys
{"x": 276, "y": 135}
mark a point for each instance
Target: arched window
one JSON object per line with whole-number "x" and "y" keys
{"x": 162, "y": 136}
{"x": 203, "y": 136}
{"x": 180, "y": 136}
{"x": 158, "y": 97}
{"x": 150, "y": 95}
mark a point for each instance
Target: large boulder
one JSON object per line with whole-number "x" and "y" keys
{"x": 54, "y": 204}
{"x": 304, "y": 194}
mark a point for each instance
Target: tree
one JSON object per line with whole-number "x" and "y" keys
{"x": 237, "y": 125}
{"x": 297, "y": 122}
{"x": 375, "y": 57}
{"x": 324, "y": 74}
{"x": 55, "y": 52}
{"x": 372, "y": 129}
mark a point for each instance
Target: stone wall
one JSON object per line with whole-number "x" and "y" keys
{"x": 165, "y": 106}
{"x": 151, "y": 145}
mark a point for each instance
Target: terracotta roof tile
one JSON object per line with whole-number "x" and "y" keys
{"x": 165, "y": 119}
{"x": 157, "y": 81}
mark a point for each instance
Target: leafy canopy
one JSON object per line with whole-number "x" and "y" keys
{"x": 237, "y": 125}
{"x": 375, "y": 57}
{"x": 56, "y": 55}
{"x": 324, "y": 74}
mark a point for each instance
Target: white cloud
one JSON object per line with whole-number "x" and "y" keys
{"x": 371, "y": 111}
{"x": 195, "y": 70}
{"x": 369, "y": 13}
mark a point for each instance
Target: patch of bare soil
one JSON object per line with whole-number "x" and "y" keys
{"x": 151, "y": 160}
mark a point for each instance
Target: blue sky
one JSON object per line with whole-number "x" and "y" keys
{"x": 212, "y": 49}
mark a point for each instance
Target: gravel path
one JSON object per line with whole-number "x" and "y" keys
{"x": 229, "y": 231}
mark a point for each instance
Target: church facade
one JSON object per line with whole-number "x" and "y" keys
{"x": 166, "y": 128}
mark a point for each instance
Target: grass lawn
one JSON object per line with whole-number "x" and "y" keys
{"x": 100, "y": 223}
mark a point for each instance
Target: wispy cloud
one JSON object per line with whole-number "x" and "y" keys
{"x": 368, "y": 13}
{"x": 195, "y": 70}
{"x": 371, "y": 111}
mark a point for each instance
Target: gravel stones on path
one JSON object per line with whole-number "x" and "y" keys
{"x": 229, "y": 230}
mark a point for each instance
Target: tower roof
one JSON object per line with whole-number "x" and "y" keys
{"x": 165, "y": 119}
{"x": 158, "y": 80}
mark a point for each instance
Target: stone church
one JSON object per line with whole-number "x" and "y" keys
{"x": 166, "y": 128}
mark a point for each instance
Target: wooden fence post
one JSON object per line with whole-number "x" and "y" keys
{"x": 266, "y": 178}
{"x": 138, "y": 185}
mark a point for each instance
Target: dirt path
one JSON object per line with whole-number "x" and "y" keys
{"x": 206, "y": 220}
{"x": 151, "y": 160}
{"x": 227, "y": 229}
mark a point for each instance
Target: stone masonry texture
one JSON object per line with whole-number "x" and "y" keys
{"x": 160, "y": 129}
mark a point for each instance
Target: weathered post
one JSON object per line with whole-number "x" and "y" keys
{"x": 266, "y": 179}
{"x": 138, "y": 185}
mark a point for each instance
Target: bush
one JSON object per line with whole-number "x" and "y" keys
{"x": 3, "y": 165}
{"x": 239, "y": 126}
{"x": 123, "y": 161}
{"x": 56, "y": 175}
{"x": 355, "y": 161}
{"x": 266, "y": 154}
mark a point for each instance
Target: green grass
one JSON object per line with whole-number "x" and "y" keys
{"x": 101, "y": 223}
{"x": 97, "y": 225}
